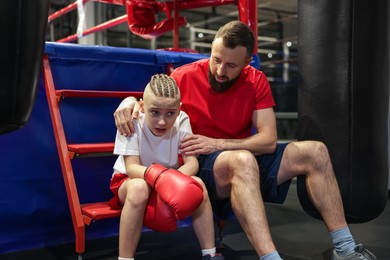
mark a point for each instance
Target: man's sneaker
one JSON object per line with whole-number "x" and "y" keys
{"x": 360, "y": 254}
{"x": 216, "y": 257}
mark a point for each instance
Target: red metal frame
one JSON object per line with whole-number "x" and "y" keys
{"x": 247, "y": 14}
{"x": 59, "y": 134}
{"x": 82, "y": 214}
{"x": 63, "y": 93}
{"x": 64, "y": 11}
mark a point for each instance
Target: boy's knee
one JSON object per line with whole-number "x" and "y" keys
{"x": 137, "y": 191}
{"x": 199, "y": 180}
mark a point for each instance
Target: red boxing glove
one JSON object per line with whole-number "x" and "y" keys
{"x": 158, "y": 215}
{"x": 181, "y": 192}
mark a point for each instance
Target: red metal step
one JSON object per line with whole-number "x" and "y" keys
{"x": 90, "y": 149}
{"x": 96, "y": 93}
{"x": 98, "y": 211}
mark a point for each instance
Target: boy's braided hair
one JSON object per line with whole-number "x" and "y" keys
{"x": 164, "y": 86}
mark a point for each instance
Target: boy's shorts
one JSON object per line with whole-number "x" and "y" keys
{"x": 116, "y": 181}
{"x": 269, "y": 166}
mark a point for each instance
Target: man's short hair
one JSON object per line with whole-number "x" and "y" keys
{"x": 235, "y": 34}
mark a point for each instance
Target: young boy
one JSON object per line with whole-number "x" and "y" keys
{"x": 155, "y": 145}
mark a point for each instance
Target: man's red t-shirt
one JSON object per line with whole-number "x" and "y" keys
{"x": 222, "y": 115}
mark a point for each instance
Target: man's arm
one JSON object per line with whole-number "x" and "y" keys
{"x": 124, "y": 114}
{"x": 263, "y": 142}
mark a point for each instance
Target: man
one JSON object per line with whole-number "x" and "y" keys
{"x": 224, "y": 97}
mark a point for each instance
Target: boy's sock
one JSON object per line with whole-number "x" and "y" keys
{"x": 124, "y": 258}
{"x": 274, "y": 255}
{"x": 343, "y": 242}
{"x": 210, "y": 252}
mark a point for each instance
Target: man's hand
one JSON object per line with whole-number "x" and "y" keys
{"x": 199, "y": 144}
{"x": 124, "y": 115}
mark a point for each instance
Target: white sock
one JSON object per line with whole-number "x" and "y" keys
{"x": 124, "y": 258}
{"x": 210, "y": 252}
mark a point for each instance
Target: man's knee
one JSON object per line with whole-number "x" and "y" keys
{"x": 319, "y": 148}
{"x": 235, "y": 169}
{"x": 310, "y": 150}
{"x": 319, "y": 155}
{"x": 236, "y": 163}
{"x": 315, "y": 156}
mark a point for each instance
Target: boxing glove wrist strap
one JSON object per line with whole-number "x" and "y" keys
{"x": 152, "y": 183}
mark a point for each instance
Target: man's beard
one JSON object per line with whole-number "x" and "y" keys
{"x": 218, "y": 86}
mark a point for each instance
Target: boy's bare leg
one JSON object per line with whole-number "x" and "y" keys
{"x": 203, "y": 222}
{"x": 135, "y": 194}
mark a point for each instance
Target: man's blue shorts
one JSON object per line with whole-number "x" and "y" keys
{"x": 269, "y": 167}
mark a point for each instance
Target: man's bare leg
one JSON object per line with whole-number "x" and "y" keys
{"x": 237, "y": 175}
{"x": 312, "y": 159}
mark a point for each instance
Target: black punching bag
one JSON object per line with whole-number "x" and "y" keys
{"x": 343, "y": 98}
{"x": 23, "y": 30}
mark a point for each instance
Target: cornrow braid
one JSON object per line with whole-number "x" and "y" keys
{"x": 164, "y": 86}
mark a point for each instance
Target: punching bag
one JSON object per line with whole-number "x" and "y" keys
{"x": 22, "y": 29}
{"x": 343, "y": 98}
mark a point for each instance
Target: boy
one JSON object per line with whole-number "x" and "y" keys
{"x": 154, "y": 146}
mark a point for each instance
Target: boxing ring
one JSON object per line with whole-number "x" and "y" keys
{"x": 34, "y": 207}
{"x": 37, "y": 212}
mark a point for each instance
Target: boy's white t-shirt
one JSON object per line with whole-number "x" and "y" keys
{"x": 163, "y": 150}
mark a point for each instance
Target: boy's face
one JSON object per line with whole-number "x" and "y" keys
{"x": 160, "y": 113}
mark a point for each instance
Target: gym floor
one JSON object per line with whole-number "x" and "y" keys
{"x": 296, "y": 235}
